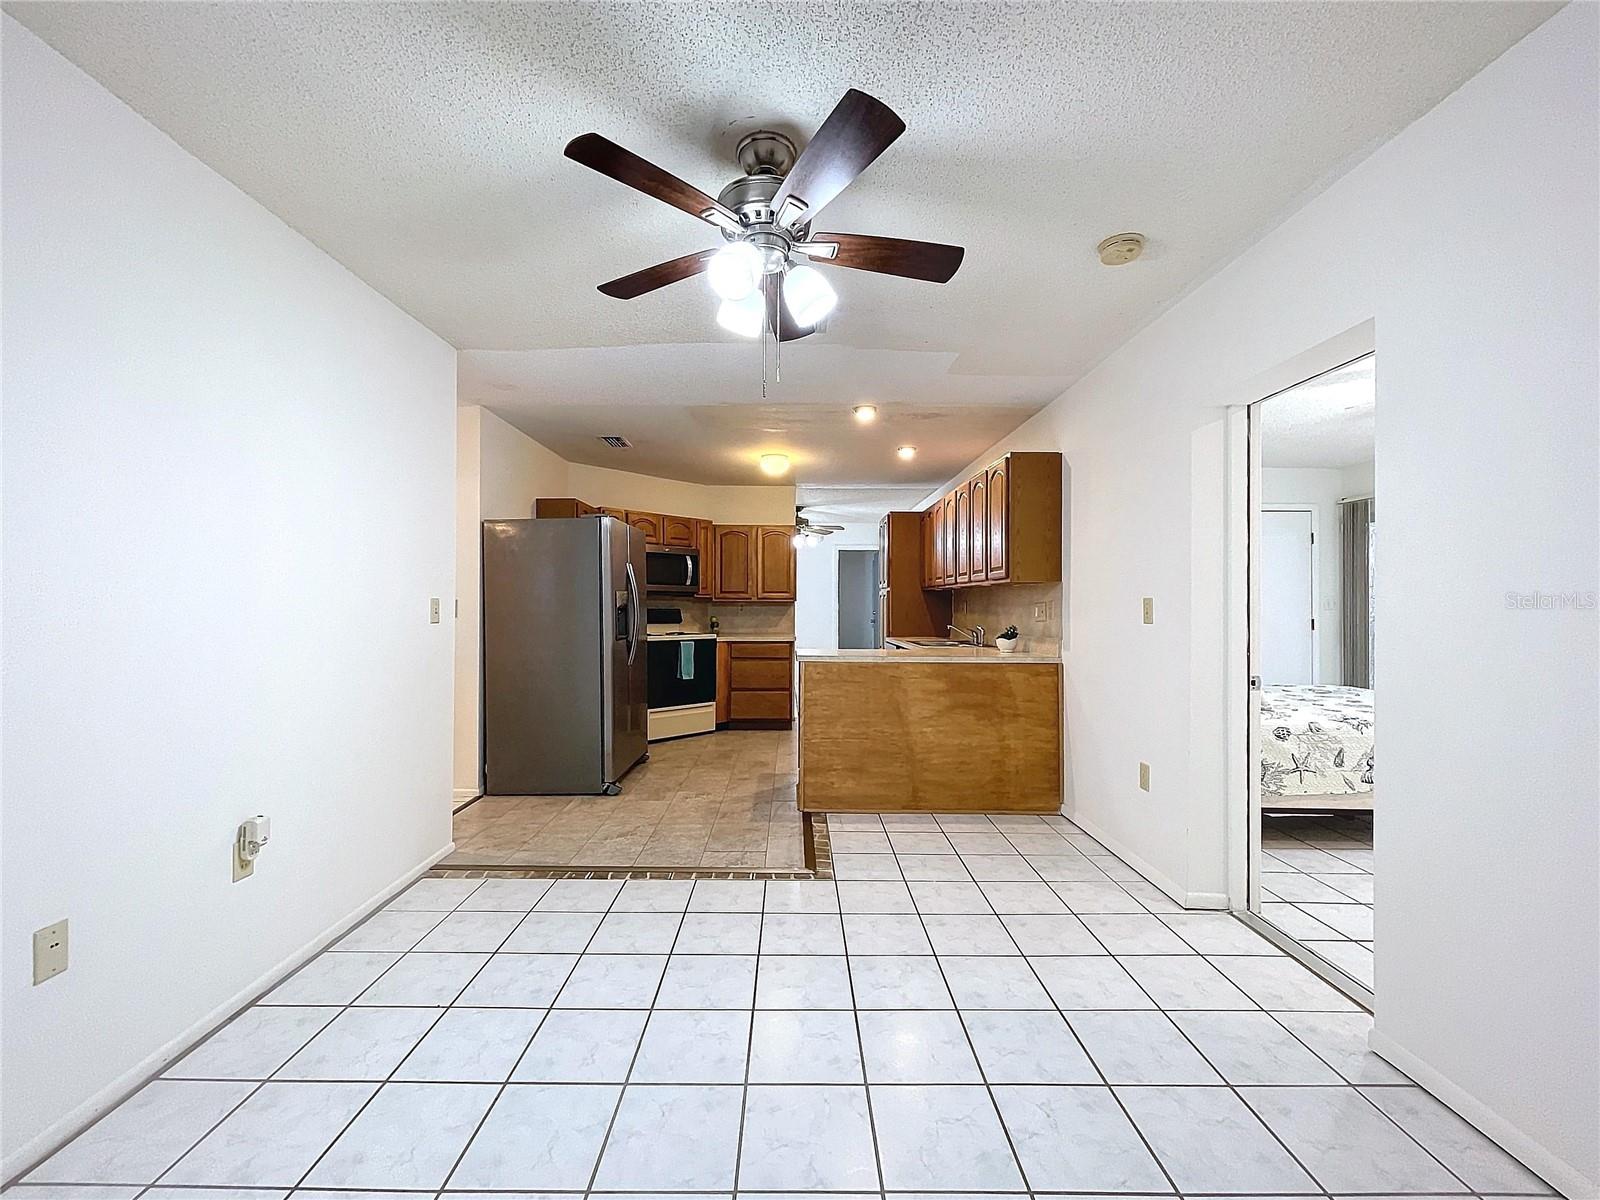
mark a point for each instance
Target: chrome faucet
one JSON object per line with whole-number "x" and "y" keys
{"x": 973, "y": 635}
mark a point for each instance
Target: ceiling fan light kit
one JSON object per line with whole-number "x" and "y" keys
{"x": 766, "y": 214}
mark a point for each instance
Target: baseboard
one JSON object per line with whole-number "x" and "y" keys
{"x": 1152, "y": 876}
{"x": 38, "y": 1148}
{"x": 1558, "y": 1173}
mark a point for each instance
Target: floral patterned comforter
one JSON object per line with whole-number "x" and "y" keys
{"x": 1316, "y": 740}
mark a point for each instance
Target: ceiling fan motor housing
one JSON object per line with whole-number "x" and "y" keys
{"x": 751, "y": 197}
{"x": 766, "y": 152}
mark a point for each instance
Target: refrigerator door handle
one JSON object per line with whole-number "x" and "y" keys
{"x": 633, "y": 614}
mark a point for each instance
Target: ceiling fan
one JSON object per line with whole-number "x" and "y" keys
{"x": 765, "y": 217}
{"x": 810, "y": 533}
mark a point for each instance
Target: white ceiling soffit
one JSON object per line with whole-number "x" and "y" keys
{"x": 420, "y": 144}
{"x": 856, "y": 505}
{"x": 1328, "y": 421}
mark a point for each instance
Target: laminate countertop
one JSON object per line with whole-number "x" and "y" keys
{"x": 927, "y": 654}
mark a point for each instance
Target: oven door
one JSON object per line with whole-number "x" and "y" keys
{"x": 672, "y": 571}
{"x": 682, "y": 671}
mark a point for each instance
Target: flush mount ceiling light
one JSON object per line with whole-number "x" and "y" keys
{"x": 865, "y": 414}
{"x": 765, "y": 215}
{"x": 906, "y": 453}
{"x": 1120, "y": 249}
{"x": 774, "y": 464}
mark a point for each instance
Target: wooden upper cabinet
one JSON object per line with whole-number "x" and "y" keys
{"x": 648, "y": 524}
{"x": 963, "y": 534}
{"x": 948, "y": 538}
{"x": 705, "y": 534}
{"x": 677, "y": 531}
{"x": 620, "y": 514}
{"x": 775, "y": 562}
{"x": 978, "y": 518}
{"x": 928, "y": 543}
{"x": 735, "y": 575}
{"x": 998, "y": 476}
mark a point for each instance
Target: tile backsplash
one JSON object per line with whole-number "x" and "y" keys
{"x": 764, "y": 620}
{"x": 1013, "y": 604}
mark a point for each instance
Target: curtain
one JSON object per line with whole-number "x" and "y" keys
{"x": 1355, "y": 570}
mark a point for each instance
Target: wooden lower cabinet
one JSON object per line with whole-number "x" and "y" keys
{"x": 760, "y": 684}
{"x": 724, "y": 680}
{"x": 888, "y": 736}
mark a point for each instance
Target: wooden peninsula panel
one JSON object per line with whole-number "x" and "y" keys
{"x": 887, "y": 736}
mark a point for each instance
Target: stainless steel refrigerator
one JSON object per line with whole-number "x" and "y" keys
{"x": 564, "y": 686}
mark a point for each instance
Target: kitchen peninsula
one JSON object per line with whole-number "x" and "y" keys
{"x": 934, "y": 729}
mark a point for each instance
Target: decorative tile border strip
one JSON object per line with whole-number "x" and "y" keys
{"x": 814, "y": 839}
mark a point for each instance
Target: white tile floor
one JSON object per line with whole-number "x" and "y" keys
{"x": 976, "y": 1006}
{"x": 1316, "y": 886}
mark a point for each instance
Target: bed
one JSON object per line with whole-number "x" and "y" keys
{"x": 1316, "y": 748}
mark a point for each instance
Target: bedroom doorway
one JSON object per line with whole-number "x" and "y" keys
{"x": 1311, "y": 728}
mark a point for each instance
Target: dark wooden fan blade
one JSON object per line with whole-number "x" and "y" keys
{"x": 778, "y": 317}
{"x": 933, "y": 261}
{"x": 857, "y": 130}
{"x": 603, "y": 155}
{"x": 658, "y": 276}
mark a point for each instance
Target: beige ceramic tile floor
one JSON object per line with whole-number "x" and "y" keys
{"x": 718, "y": 801}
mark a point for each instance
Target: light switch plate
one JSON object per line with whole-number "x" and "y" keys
{"x": 1041, "y": 611}
{"x": 1144, "y": 777}
{"x": 433, "y": 611}
{"x": 49, "y": 952}
{"x": 1149, "y": 610}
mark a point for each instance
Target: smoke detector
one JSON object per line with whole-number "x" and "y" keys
{"x": 1121, "y": 248}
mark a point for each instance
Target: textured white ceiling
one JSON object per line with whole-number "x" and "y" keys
{"x": 1328, "y": 421}
{"x": 420, "y": 144}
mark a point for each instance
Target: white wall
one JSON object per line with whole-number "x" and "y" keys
{"x": 740, "y": 504}
{"x": 500, "y": 472}
{"x": 226, "y": 504}
{"x": 1320, "y": 490}
{"x": 1469, "y": 240}
{"x": 816, "y": 604}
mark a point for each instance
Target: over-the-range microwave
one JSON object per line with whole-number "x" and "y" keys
{"x": 671, "y": 570}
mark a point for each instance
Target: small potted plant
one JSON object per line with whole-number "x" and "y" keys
{"x": 1007, "y": 641}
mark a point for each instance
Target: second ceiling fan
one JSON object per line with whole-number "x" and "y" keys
{"x": 762, "y": 274}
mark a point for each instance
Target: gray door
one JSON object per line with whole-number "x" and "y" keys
{"x": 858, "y": 599}
{"x": 543, "y": 658}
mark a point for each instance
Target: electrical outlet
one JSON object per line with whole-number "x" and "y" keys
{"x": 49, "y": 952}
{"x": 1041, "y": 611}
{"x": 1149, "y": 610}
{"x": 1144, "y": 777}
{"x": 433, "y": 611}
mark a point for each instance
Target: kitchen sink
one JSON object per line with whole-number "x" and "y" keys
{"x": 931, "y": 641}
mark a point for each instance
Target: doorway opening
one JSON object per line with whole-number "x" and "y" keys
{"x": 1311, "y": 721}
{"x": 858, "y": 600}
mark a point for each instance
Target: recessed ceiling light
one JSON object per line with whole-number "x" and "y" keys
{"x": 907, "y": 452}
{"x": 866, "y": 414}
{"x": 1121, "y": 248}
{"x": 774, "y": 464}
